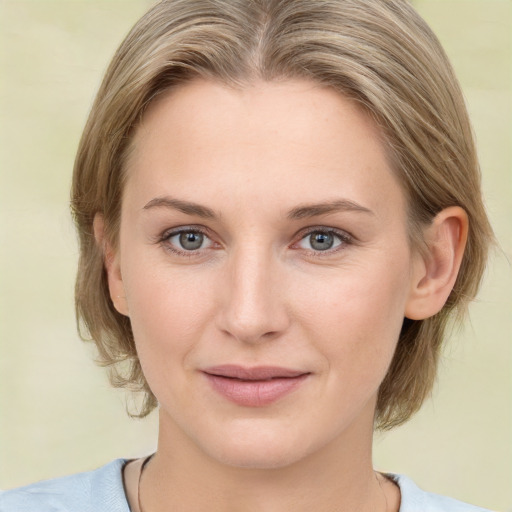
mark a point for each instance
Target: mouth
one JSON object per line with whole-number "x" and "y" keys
{"x": 257, "y": 373}
{"x": 254, "y": 387}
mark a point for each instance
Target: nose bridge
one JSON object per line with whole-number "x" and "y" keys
{"x": 253, "y": 308}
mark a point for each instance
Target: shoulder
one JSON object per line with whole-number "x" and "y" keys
{"x": 414, "y": 499}
{"x": 93, "y": 491}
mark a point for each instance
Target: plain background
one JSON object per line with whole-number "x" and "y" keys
{"x": 58, "y": 414}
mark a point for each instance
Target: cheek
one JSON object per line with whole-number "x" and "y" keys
{"x": 354, "y": 317}
{"x": 169, "y": 312}
{"x": 169, "y": 309}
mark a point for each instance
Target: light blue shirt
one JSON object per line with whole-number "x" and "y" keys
{"x": 102, "y": 490}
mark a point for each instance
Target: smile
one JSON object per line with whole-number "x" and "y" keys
{"x": 254, "y": 387}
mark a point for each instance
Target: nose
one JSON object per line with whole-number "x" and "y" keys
{"x": 253, "y": 307}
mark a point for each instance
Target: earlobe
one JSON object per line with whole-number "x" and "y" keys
{"x": 435, "y": 272}
{"x": 112, "y": 266}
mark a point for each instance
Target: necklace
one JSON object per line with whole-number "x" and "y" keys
{"x": 379, "y": 481}
{"x": 140, "y": 478}
{"x": 151, "y": 456}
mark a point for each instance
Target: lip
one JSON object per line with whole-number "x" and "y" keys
{"x": 254, "y": 387}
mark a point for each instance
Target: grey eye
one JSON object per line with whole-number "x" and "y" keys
{"x": 191, "y": 240}
{"x": 321, "y": 241}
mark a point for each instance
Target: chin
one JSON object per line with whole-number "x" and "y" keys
{"x": 258, "y": 458}
{"x": 257, "y": 447}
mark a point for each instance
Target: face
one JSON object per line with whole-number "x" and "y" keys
{"x": 265, "y": 265}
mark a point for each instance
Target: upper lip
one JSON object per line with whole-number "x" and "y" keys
{"x": 253, "y": 373}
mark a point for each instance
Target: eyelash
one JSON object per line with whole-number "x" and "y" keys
{"x": 344, "y": 237}
{"x": 167, "y": 235}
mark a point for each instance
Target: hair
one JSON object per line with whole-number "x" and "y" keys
{"x": 380, "y": 53}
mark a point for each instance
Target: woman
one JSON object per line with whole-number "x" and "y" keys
{"x": 279, "y": 210}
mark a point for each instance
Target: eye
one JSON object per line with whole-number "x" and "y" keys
{"x": 189, "y": 240}
{"x": 323, "y": 240}
{"x": 186, "y": 240}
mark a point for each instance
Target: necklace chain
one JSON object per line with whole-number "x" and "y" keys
{"x": 151, "y": 456}
{"x": 140, "y": 478}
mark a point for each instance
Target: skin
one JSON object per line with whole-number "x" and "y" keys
{"x": 257, "y": 292}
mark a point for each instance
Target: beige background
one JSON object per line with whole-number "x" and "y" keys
{"x": 57, "y": 412}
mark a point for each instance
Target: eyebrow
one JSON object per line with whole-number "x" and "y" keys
{"x": 186, "y": 207}
{"x": 338, "y": 205}
{"x": 299, "y": 212}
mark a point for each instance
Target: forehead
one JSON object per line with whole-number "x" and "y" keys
{"x": 292, "y": 141}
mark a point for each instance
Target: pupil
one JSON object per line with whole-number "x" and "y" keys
{"x": 321, "y": 241}
{"x": 191, "y": 241}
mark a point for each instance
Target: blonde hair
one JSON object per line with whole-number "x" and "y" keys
{"x": 379, "y": 53}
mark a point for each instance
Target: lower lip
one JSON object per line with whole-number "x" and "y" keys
{"x": 255, "y": 393}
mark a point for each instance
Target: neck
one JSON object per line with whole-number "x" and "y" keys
{"x": 339, "y": 476}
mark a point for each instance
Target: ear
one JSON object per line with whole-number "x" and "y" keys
{"x": 435, "y": 272}
{"x": 112, "y": 266}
